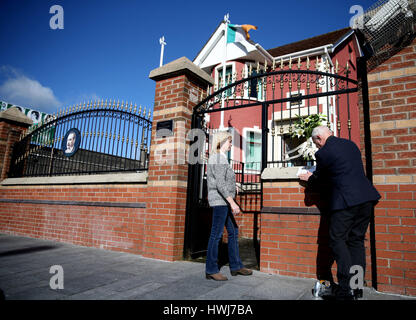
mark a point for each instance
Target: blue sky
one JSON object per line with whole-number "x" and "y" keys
{"x": 108, "y": 48}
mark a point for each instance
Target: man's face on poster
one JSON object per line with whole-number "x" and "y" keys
{"x": 70, "y": 142}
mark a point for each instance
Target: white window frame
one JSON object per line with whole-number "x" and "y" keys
{"x": 246, "y": 130}
{"x": 288, "y": 94}
{"x": 217, "y": 73}
{"x": 246, "y": 69}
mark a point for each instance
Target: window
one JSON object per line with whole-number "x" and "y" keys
{"x": 228, "y": 78}
{"x": 253, "y": 150}
{"x": 298, "y": 103}
{"x": 256, "y": 86}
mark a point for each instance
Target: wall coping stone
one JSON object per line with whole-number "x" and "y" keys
{"x": 291, "y": 210}
{"x": 179, "y": 66}
{"x": 288, "y": 173}
{"x": 130, "y": 177}
{"x": 13, "y": 114}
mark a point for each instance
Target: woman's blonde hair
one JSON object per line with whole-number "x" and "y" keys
{"x": 218, "y": 139}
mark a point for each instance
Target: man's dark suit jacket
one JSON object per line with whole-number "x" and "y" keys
{"x": 339, "y": 162}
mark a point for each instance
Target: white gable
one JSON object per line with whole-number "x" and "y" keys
{"x": 214, "y": 50}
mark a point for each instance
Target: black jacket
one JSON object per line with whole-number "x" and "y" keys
{"x": 339, "y": 163}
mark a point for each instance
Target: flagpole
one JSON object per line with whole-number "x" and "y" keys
{"x": 226, "y": 17}
{"x": 162, "y": 44}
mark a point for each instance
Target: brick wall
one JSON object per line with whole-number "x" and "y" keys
{"x": 167, "y": 178}
{"x": 392, "y": 95}
{"x": 288, "y": 241}
{"x": 249, "y": 221}
{"x": 292, "y": 244}
{"x": 88, "y": 215}
{"x": 147, "y": 218}
{"x": 109, "y": 216}
{"x": 297, "y": 244}
{"x": 177, "y": 92}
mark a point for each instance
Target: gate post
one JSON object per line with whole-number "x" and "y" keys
{"x": 179, "y": 85}
{"x": 12, "y": 124}
{"x": 265, "y": 132}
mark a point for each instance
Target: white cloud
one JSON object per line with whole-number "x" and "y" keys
{"x": 20, "y": 90}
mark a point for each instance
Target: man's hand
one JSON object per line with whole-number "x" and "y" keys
{"x": 305, "y": 176}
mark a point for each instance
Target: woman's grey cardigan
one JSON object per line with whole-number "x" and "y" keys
{"x": 220, "y": 180}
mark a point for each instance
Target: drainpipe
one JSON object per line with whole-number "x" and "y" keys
{"x": 332, "y": 71}
{"x": 362, "y": 74}
{"x": 328, "y": 56}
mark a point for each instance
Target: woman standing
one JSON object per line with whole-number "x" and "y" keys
{"x": 221, "y": 193}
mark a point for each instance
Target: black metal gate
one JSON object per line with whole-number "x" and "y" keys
{"x": 263, "y": 88}
{"x": 92, "y": 138}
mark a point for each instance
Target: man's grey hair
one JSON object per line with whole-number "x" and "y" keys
{"x": 320, "y": 130}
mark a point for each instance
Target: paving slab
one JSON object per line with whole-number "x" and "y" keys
{"x": 97, "y": 274}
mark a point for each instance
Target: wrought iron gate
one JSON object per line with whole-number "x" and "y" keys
{"x": 105, "y": 137}
{"x": 272, "y": 91}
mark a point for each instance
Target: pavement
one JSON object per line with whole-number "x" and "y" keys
{"x": 97, "y": 274}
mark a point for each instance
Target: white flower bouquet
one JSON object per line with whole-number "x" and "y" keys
{"x": 303, "y": 129}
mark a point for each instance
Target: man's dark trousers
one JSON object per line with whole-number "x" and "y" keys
{"x": 347, "y": 232}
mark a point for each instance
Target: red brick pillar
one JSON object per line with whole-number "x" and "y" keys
{"x": 12, "y": 124}
{"x": 392, "y": 104}
{"x": 179, "y": 85}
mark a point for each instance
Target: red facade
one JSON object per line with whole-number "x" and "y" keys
{"x": 242, "y": 122}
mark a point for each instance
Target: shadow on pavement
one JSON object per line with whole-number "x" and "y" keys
{"x": 26, "y": 250}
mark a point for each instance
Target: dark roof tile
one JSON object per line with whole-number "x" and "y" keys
{"x": 318, "y": 41}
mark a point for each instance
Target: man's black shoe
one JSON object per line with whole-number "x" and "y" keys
{"x": 358, "y": 293}
{"x": 344, "y": 297}
{"x": 339, "y": 295}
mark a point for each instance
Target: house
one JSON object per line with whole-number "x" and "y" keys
{"x": 335, "y": 52}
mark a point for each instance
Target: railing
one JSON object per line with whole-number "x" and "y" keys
{"x": 248, "y": 179}
{"x": 92, "y": 138}
{"x": 247, "y": 175}
{"x": 283, "y": 94}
